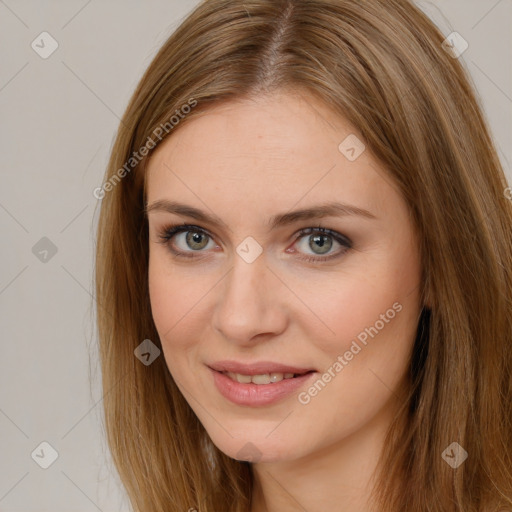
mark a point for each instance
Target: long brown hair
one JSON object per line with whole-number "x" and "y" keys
{"x": 381, "y": 65}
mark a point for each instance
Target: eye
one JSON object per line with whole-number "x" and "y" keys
{"x": 195, "y": 239}
{"x": 319, "y": 240}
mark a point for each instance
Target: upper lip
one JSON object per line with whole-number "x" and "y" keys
{"x": 257, "y": 368}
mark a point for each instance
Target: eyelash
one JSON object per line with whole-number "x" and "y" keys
{"x": 168, "y": 232}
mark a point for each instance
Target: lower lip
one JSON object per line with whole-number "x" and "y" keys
{"x": 257, "y": 394}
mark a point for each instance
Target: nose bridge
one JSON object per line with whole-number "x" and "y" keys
{"x": 247, "y": 303}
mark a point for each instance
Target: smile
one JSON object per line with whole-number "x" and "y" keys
{"x": 259, "y": 389}
{"x": 263, "y": 378}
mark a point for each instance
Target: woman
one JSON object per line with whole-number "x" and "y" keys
{"x": 304, "y": 269}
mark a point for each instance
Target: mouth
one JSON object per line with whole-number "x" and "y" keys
{"x": 263, "y": 378}
{"x": 258, "y": 384}
{"x": 263, "y": 372}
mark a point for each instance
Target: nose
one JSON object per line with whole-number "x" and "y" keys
{"x": 250, "y": 304}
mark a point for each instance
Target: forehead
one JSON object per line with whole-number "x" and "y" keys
{"x": 274, "y": 128}
{"x": 271, "y": 151}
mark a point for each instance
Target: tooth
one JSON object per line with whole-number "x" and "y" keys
{"x": 264, "y": 378}
{"x": 261, "y": 379}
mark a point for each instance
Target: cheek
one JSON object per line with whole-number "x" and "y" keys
{"x": 365, "y": 301}
{"x": 375, "y": 322}
{"x": 375, "y": 317}
{"x": 161, "y": 295}
{"x": 169, "y": 310}
{"x": 178, "y": 296}
{"x": 172, "y": 295}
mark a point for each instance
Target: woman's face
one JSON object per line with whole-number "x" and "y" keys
{"x": 234, "y": 291}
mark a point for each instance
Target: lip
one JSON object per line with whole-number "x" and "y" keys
{"x": 256, "y": 368}
{"x": 258, "y": 395}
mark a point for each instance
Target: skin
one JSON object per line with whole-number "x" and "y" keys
{"x": 245, "y": 161}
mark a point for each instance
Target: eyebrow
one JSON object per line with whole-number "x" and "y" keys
{"x": 331, "y": 209}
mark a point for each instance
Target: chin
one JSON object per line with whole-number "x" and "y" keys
{"x": 257, "y": 448}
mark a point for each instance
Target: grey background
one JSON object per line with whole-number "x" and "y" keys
{"x": 59, "y": 116}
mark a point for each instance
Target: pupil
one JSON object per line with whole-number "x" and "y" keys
{"x": 320, "y": 240}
